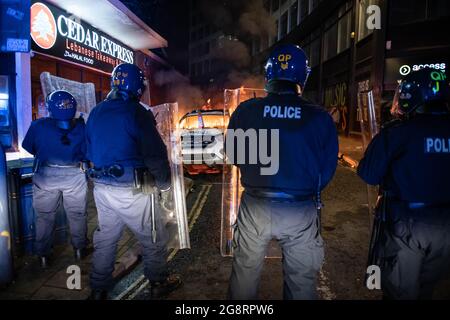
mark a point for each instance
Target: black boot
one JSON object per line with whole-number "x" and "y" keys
{"x": 98, "y": 294}
{"x": 44, "y": 262}
{"x": 161, "y": 289}
{"x": 80, "y": 254}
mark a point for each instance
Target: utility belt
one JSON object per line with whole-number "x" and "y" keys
{"x": 40, "y": 164}
{"x": 422, "y": 205}
{"x": 390, "y": 209}
{"x": 278, "y": 196}
{"x": 118, "y": 175}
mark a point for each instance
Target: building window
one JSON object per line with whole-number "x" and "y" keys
{"x": 283, "y": 25}
{"x": 438, "y": 8}
{"x": 329, "y": 42}
{"x": 293, "y": 12}
{"x": 206, "y": 48}
{"x": 304, "y": 9}
{"x": 275, "y": 37}
{"x": 344, "y": 30}
{"x": 256, "y": 45}
{"x": 312, "y": 5}
{"x": 275, "y": 5}
{"x": 363, "y": 31}
{"x": 314, "y": 55}
{"x": 403, "y": 12}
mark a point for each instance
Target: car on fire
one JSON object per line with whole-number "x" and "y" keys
{"x": 202, "y": 140}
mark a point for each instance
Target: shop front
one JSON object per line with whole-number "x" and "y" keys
{"x": 67, "y": 52}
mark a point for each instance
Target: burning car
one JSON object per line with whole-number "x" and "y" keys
{"x": 202, "y": 140}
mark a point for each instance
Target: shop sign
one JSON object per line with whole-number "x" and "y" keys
{"x": 337, "y": 104}
{"x": 60, "y": 34}
{"x": 397, "y": 68}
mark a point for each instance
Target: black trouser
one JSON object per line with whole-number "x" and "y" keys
{"x": 415, "y": 251}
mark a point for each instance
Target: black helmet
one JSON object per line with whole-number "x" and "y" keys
{"x": 422, "y": 91}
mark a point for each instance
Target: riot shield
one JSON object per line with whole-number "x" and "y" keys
{"x": 369, "y": 120}
{"x": 231, "y": 186}
{"x": 84, "y": 93}
{"x": 176, "y": 218}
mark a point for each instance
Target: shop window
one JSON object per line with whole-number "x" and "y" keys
{"x": 293, "y": 12}
{"x": 283, "y": 25}
{"x": 363, "y": 31}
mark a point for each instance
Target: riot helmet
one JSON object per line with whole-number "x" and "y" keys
{"x": 61, "y": 105}
{"x": 128, "y": 81}
{"x": 422, "y": 91}
{"x": 288, "y": 63}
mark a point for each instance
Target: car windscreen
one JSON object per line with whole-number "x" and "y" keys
{"x": 209, "y": 121}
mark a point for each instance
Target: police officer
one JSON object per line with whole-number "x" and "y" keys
{"x": 410, "y": 159}
{"x": 58, "y": 143}
{"x": 122, "y": 139}
{"x": 283, "y": 204}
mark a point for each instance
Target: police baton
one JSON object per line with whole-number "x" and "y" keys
{"x": 152, "y": 201}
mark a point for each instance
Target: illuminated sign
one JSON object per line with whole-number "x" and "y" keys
{"x": 398, "y": 68}
{"x": 406, "y": 69}
{"x": 14, "y": 26}
{"x": 62, "y": 35}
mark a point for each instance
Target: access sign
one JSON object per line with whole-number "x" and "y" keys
{"x": 62, "y": 35}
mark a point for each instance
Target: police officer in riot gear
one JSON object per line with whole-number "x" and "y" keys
{"x": 58, "y": 143}
{"x": 122, "y": 143}
{"x": 284, "y": 204}
{"x": 409, "y": 159}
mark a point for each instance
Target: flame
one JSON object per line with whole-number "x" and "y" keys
{"x": 208, "y": 101}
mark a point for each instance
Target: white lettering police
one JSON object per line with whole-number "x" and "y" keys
{"x": 437, "y": 145}
{"x": 279, "y": 112}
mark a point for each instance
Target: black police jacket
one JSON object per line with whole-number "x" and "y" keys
{"x": 411, "y": 159}
{"x": 125, "y": 133}
{"x": 307, "y": 146}
{"x": 46, "y": 141}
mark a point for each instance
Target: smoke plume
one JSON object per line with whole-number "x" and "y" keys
{"x": 179, "y": 90}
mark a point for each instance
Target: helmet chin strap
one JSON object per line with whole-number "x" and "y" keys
{"x": 115, "y": 94}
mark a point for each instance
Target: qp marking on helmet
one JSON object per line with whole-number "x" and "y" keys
{"x": 284, "y": 59}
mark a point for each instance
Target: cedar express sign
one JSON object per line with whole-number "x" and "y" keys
{"x": 59, "y": 34}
